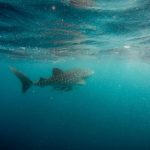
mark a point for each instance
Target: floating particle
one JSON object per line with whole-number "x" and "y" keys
{"x": 53, "y": 8}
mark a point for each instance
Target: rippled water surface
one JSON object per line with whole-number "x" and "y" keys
{"x": 44, "y": 29}
{"x": 112, "y": 110}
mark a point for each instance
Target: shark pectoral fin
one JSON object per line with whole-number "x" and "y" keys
{"x": 57, "y": 71}
{"x": 81, "y": 82}
{"x": 63, "y": 88}
{"x": 68, "y": 88}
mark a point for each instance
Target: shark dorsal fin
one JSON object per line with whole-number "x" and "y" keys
{"x": 42, "y": 79}
{"x": 57, "y": 71}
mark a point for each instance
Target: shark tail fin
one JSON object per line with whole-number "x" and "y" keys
{"x": 26, "y": 82}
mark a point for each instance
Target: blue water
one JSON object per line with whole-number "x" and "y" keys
{"x": 112, "y": 110}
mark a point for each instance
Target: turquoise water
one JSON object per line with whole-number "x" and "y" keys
{"x": 111, "y": 111}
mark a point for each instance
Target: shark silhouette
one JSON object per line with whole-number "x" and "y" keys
{"x": 62, "y": 80}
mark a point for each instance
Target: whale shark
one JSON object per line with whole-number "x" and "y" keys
{"x": 60, "y": 80}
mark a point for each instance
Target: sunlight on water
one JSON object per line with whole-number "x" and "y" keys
{"x": 65, "y": 28}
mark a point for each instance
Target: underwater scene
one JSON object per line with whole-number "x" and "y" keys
{"x": 74, "y": 75}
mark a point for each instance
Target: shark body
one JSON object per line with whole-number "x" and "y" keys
{"x": 62, "y": 80}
